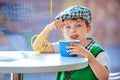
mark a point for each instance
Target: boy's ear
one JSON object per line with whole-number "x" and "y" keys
{"x": 89, "y": 27}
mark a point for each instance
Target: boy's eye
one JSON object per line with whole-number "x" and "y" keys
{"x": 68, "y": 27}
{"x": 78, "y": 25}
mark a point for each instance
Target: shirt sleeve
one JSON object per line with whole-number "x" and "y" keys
{"x": 103, "y": 59}
{"x": 56, "y": 47}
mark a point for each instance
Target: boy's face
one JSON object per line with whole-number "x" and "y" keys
{"x": 75, "y": 29}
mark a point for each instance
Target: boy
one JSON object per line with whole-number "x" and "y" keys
{"x": 74, "y": 23}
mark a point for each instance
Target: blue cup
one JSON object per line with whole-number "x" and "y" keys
{"x": 63, "y": 50}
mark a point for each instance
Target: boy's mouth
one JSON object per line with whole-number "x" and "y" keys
{"x": 74, "y": 36}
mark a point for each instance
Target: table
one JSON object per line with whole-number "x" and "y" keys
{"x": 25, "y": 62}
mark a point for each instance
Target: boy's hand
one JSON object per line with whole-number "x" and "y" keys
{"x": 58, "y": 24}
{"x": 55, "y": 25}
{"x": 77, "y": 49}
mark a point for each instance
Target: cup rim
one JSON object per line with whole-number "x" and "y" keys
{"x": 69, "y": 40}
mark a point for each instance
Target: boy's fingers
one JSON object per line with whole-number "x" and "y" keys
{"x": 59, "y": 23}
{"x": 71, "y": 51}
{"x": 70, "y": 47}
{"x": 73, "y": 44}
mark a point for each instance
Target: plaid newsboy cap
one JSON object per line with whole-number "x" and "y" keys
{"x": 75, "y": 12}
{"x": 18, "y": 11}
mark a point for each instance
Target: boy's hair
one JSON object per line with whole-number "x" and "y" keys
{"x": 75, "y": 12}
{"x": 87, "y": 24}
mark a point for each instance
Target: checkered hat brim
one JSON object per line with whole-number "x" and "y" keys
{"x": 75, "y": 12}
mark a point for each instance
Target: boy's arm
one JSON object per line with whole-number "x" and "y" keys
{"x": 101, "y": 72}
{"x": 39, "y": 41}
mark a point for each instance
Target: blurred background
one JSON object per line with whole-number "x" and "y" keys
{"x": 21, "y": 19}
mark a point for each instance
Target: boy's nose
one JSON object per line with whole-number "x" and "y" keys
{"x": 73, "y": 29}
